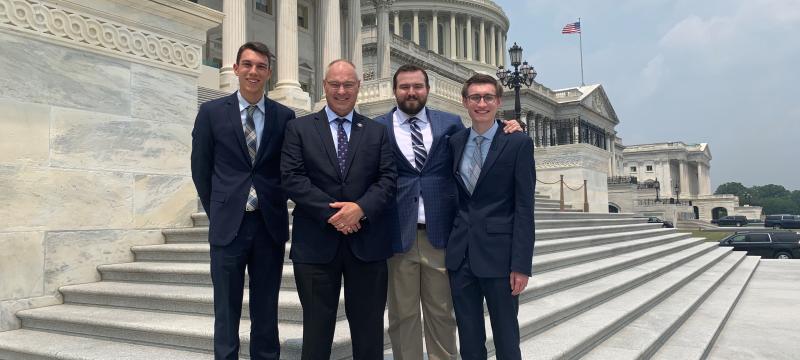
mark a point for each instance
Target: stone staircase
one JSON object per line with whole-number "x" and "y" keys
{"x": 605, "y": 286}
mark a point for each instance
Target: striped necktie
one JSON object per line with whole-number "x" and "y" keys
{"x": 475, "y": 164}
{"x": 251, "y": 137}
{"x": 420, "y": 154}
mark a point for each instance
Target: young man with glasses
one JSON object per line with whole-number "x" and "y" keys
{"x": 490, "y": 248}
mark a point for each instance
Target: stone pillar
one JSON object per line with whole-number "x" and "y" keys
{"x": 354, "y": 35}
{"x": 703, "y": 180}
{"x": 683, "y": 176}
{"x": 505, "y": 46}
{"x": 415, "y": 28}
{"x": 500, "y": 48}
{"x": 234, "y": 34}
{"x": 384, "y": 66}
{"x": 482, "y": 43}
{"x": 287, "y": 90}
{"x": 469, "y": 38}
{"x": 397, "y": 23}
{"x": 435, "y": 32}
{"x": 492, "y": 46}
{"x": 453, "y": 42}
{"x": 333, "y": 38}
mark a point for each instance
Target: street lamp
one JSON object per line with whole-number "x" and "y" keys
{"x": 523, "y": 74}
{"x": 657, "y": 185}
{"x": 677, "y": 193}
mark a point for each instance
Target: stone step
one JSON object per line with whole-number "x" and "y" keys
{"x": 186, "y": 331}
{"x": 569, "y": 243}
{"x": 549, "y": 261}
{"x": 565, "y": 215}
{"x": 188, "y": 273}
{"x": 696, "y": 337}
{"x": 563, "y": 324}
{"x": 640, "y": 338}
{"x": 32, "y": 344}
{"x": 559, "y": 224}
{"x": 560, "y": 233}
{"x": 197, "y": 299}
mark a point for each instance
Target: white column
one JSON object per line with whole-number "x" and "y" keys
{"x": 384, "y": 38}
{"x": 287, "y": 90}
{"x": 415, "y": 28}
{"x": 333, "y": 35}
{"x": 505, "y": 46}
{"x": 482, "y": 43}
{"x": 683, "y": 177}
{"x": 397, "y": 23}
{"x": 500, "y": 48}
{"x": 453, "y": 49}
{"x": 234, "y": 34}
{"x": 492, "y": 46}
{"x": 435, "y": 32}
{"x": 469, "y": 38}
{"x": 354, "y": 35}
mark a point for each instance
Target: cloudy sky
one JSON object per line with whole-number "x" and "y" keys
{"x": 725, "y": 72}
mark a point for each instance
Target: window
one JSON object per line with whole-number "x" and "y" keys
{"x": 739, "y": 238}
{"x": 302, "y": 16}
{"x": 649, "y": 168}
{"x": 423, "y": 35}
{"x": 406, "y": 27}
{"x": 440, "y": 40}
{"x": 759, "y": 238}
{"x": 264, "y": 7}
{"x": 633, "y": 168}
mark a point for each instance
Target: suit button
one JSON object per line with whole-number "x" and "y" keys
{"x": 415, "y": 199}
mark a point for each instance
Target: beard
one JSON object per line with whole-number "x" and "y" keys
{"x": 410, "y": 108}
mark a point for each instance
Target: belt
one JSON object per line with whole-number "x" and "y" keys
{"x": 421, "y": 226}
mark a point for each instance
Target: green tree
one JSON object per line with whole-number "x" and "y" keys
{"x": 734, "y": 188}
{"x": 770, "y": 191}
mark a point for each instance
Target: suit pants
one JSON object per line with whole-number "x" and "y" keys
{"x": 255, "y": 250}
{"x": 319, "y": 286}
{"x": 419, "y": 275}
{"x": 469, "y": 292}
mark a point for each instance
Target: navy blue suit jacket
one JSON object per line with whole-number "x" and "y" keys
{"x": 312, "y": 179}
{"x": 435, "y": 183}
{"x": 494, "y": 226}
{"x": 222, "y": 171}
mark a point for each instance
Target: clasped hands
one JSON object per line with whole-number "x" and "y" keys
{"x": 347, "y": 219}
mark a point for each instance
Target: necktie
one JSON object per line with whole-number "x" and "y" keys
{"x": 475, "y": 164}
{"x": 341, "y": 151}
{"x": 420, "y": 154}
{"x": 251, "y": 137}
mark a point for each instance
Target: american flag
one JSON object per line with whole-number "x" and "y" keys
{"x": 572, "y": 28}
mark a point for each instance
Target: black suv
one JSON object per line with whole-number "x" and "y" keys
{"x": 769, "y": 245}
{"x": 736, "y": 220}
{"x": 782, "y": 221}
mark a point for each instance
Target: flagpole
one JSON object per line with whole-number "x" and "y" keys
{"x": 580, "y": 44}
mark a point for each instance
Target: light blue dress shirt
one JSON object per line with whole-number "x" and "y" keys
{"x": 335, "y": 127}
{"x": 466, "y": 157}
{"x": 258, "y": 116}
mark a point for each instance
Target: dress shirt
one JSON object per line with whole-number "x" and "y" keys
{"x": 402, "y": 134}
{"x": 258, "y": 116}
{"x": 466, "y": 157}
{"x": 335, "y": 127}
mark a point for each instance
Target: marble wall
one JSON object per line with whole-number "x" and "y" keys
{"x": 581, "y": 162}
{"x": 94, "y": 155}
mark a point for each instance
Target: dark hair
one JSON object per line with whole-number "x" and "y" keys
{"x": 409, "y": 68}
{"x": 258, "y": 47}
{"x": 482, "y": 79}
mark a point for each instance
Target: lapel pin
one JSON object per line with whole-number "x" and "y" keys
{"x": 359, "y": 124}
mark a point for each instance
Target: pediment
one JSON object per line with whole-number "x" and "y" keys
{"x": 597, "y": 100}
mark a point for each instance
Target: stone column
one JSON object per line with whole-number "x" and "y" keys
{"x": 505, "y": 46}
{"x": 482, "y": 43}
{"x": 384, "y": 66}
{"x": 500, "y": 48}
{"x": 287, "y": 90}
{"x": 415, "y": 28}
{"x": 397, "y": 23}
{"x": 453, "y": 42}
{"x": 333, "y": 38}
{"x": 435, "y": 32}
{"x": 234, "y": 34}
{"x": 683, "y": 176}
{"x": 354, "y": 35}
{"x": 469, "y": 38}
{"x": 492, "y": 46}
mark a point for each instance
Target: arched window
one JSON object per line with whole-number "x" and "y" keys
{"x": 407, "y": 31}
{"x": 423, "y": 35}
{"x": 440, "y": 40}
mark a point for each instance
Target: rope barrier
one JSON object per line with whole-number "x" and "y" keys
{"x": 561, "y": 195}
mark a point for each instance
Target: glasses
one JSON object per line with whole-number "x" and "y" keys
{"x": 347, "y": 86}
{"x": 476, "y": 99}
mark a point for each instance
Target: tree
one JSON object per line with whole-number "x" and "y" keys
{"x": 774, "y": 199}
{"x": 734, "y": 188}
{"x": 770, "y": 191}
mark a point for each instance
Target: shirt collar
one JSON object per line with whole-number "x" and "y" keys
{"x": 403, "y": 117}
{"x": 488, "y": 135}
{"x": 243, "y": 103}
{"x": 332, "y": 115}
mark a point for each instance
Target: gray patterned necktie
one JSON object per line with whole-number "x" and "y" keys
{"x": 475, "y": 164}
{"x": 420, "y": 154}
{"x": 251, "y": 137}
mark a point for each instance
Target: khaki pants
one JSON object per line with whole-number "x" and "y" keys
{"x": 420, "y": 276}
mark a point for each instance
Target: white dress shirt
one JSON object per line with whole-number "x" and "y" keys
{"x": 402, "y": 134}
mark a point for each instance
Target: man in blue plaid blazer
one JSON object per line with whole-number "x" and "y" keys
{"x": 426, "y": 207}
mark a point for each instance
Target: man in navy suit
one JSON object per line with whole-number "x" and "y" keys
{"x": 490, "y": 248}
{"x": 426, "y": 206}
{"x": 236, "y": 144}
{"x": 338, "y": 168}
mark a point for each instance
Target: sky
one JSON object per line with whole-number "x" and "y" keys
{"x": 723, "y": 72}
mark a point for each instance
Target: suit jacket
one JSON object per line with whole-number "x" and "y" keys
{"x": 494, "y": 226}
{"x": 312, "y": 179}
{"x": 222, "y": 171}
{"x": 435, "y": 183}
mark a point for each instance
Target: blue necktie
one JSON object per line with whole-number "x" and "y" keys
{"x": 420, "y": 154}
{"x": 475, "y": 164}
{"x": 341, "y": 152}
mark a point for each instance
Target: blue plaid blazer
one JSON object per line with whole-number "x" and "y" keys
{"x": 435, "y": 183}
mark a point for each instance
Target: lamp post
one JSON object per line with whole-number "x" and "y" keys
{"x": 657, "y": 185}
{"x": 677, "y": 193}
{"x": 523, "y": 74}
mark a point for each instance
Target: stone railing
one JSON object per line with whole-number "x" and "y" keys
{"x": 381, "y": 89}
{"x": 444, "y": 87}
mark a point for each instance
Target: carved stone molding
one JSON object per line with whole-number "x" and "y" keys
{"x": 60, "y": 24}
